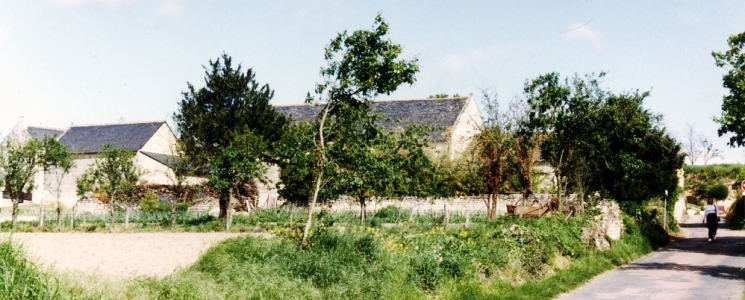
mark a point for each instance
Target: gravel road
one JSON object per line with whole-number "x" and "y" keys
{"x": 692, "y": 268}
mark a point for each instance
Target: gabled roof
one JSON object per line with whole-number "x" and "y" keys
{"x": 439, "y": 113}
{"x": 38, "y": 133}
{"x": 88, "y": 139}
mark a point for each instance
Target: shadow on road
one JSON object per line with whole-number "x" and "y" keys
{"x": 720, "y": 225}
{"x": 724, "y": 272}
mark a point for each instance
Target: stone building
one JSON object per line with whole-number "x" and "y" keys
{"x": 152, "y": 141}
{"x": 455, "y": 121}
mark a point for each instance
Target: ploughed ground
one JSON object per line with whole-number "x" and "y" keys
{"x": 117, "y": 255}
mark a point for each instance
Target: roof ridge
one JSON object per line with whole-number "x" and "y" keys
{"x": 116, "y": 124}
{"x": 385, "y": 100}
{"x": 42, "y": 127}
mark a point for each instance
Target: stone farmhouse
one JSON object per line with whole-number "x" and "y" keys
{"x": 152, "y": 142}
{"x": 455, "y": 122}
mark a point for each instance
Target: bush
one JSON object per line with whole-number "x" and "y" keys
{"x": 150, "y": 202}
{"x": 718, "y": 191}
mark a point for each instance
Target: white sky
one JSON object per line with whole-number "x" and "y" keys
{"x": 99, "y": 61}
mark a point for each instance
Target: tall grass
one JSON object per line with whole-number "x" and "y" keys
{"x": 20, "y": 278}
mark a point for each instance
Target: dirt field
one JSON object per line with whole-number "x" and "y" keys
{"x": 118, "y": 255}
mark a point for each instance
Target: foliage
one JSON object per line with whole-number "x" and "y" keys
{"x": 227, "y": 125}
{"x": 113, "y": 173}
{"x": 56, "y": 162}
{"x": 359, "y": 67}
{"x": 718, "y": 192}
{"x": 733, "y": 104}
{"x": 149, "y": 203}
{"x": 20, "y": 162}
{"x": 494, "y": 150}
{"x": 506, "y": 257}
{"x": 598, "y": 141}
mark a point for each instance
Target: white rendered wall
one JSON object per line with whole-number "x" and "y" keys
{"x": 466, "y": 128}
{"x": 163, "y": 141}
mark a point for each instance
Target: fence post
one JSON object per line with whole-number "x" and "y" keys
{"x": 468, "y": 218}
{"x": 445, "y": 221}
{"x": 41, "y": 217}
{"x": 72, "y": 220}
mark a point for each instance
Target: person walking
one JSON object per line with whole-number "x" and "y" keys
{"x": 711, "y": 217}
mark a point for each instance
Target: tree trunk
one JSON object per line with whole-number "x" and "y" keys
{"x": 228, "y": 219}
{"x": 224, "y": 202}
{"x": 489, "y": 212}
{"x": 59, "y": 217}
{"x": 319, "y": 176}
{"x": 311, "y": 207}
{"x": 15, "y": 214}
{"x": 173, "y": 215}
{"x": 113, "y": 216}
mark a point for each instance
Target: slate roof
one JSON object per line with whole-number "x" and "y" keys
{"x": 89, "y": 139}
{"x": 38, "y": 133}
{"x": 440, "y": 113}
{"x": 164, "y": 159}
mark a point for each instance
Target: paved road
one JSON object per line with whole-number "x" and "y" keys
{"x": 689, "y": 269}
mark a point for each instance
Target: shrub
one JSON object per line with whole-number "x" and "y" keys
{"x": 150, "y": 202}
{"x": 718, "y": 191}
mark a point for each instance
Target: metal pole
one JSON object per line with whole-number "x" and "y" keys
{"x": 665, "y": 218}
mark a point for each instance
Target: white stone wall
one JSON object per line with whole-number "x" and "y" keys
{"x": 154, "y": 171}
{"x": 68, "y": 187}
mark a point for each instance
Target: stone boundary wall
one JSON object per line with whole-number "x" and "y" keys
{"x": 207, "y": 203}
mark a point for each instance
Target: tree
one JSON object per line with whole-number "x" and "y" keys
{"x": 112, "y": 173}
{"x": 20, "y": 161}
{"x": 495, "y": 147}
{"x": 528, "y": 144}
{"x": 230, "y": 109}
{"x": 733, "y": 105}
{"x": 598, "y": 141}
{"x": 57, "y": 162}
{"x": 182, "y": 169}
{"x": 692, "y": 144}
{"x": 707, "y": 150}
{"x": 359, "y": 67}
{"x": 560, "y": 111}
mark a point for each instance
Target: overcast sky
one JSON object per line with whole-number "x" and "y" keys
{"x": 102, "y": 61}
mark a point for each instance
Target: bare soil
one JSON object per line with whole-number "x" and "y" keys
{"x": 117, "y": 255}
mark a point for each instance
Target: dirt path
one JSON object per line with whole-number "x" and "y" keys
{"x": 118, "y": 255}
{"x": 689, "y": 269}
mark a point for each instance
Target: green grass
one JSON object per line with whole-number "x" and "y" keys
{"x": 20, "y": 278}
{"x": 507, "y": 258}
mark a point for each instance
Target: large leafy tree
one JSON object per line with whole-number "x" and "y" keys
{"x": 598, "y": 141}
{"x": 732, "y": 120}
{"x": 360, "y": 66}
{"x": 560, "y": 111}
{"x": 216, "y": 122}
{"x": 114, "y": 174}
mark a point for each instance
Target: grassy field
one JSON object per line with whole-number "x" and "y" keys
{"x": 389, "y": 258}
